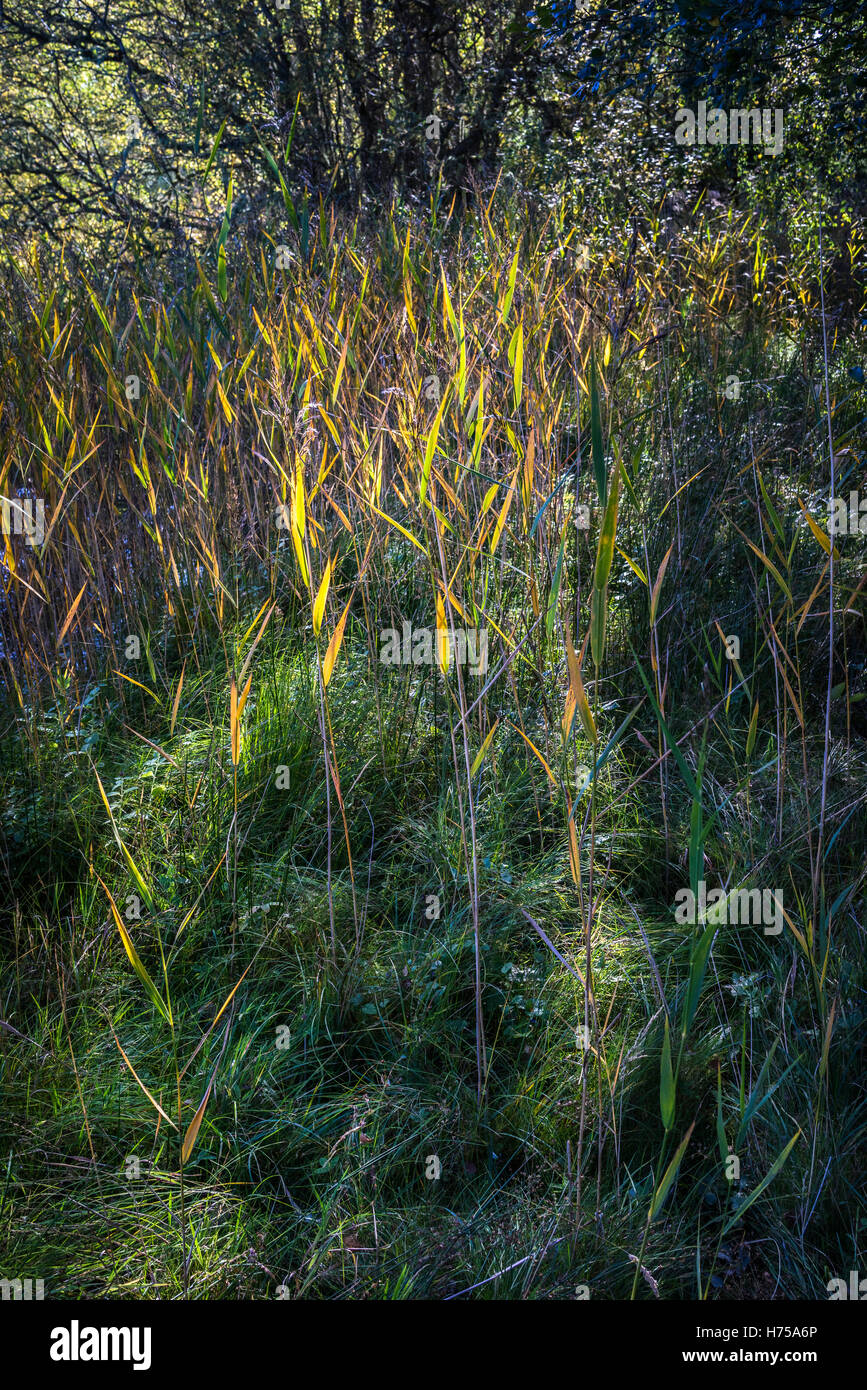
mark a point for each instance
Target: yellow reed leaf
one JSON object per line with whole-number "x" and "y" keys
{"x": 322, "y": 595}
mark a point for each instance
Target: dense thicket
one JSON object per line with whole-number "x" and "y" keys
{"x": 109, "y": 111}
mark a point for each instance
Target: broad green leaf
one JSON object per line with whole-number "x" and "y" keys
{"x": 765, "y": 1182}
{"x": 751, "y": 732}
{"x": 697, "y": 967}
{"x": 596, "y": 447}
{"x": 722, "y": 1141}
{"x": 666, "y": 1081}
{"x": 213, "y": 155}
{"x": 598, "y": 615}
{"x": 661, "y": 1192}
{"x": 607, "y": 535}
{"x": 292, "y": 129}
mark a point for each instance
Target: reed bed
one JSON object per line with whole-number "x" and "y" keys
{"x": 329, "y": 972}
